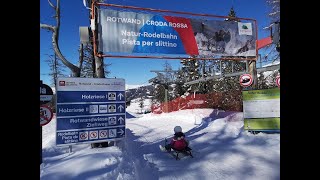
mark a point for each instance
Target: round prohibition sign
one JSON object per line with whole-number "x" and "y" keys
{"x": 245, "y": 80}
{"x": 93, "y": 134}
{"x": 45, "y": 111}
{"x": 278, "y": 81}
{"x": 43, "y": 120}
{"x": 83, "y": 136}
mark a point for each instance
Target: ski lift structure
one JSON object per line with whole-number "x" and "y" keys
{"x": 220, "y": 74}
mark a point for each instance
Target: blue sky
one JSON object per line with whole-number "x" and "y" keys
{"x": 135, "y": 71}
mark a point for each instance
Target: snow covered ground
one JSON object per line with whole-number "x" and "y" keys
{"x": 221, "y": 149}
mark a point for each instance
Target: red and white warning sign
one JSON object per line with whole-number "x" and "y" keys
{"x": 43, "y": 120}
{"x": 246, "y": 80}
{"x": 93, "y": 135}
{"x": 83, "y": 136}
{"x": 103, "y": 134}
{"x": 45, "y": 115}
{"x": 278, "y": 81}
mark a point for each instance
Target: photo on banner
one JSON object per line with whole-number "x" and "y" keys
{"x": 131, "y": 32}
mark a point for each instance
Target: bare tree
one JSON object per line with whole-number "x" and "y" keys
{"x": 55, "y": 29}
{"x": 97, "y": 65}
{"x": 274, "y": 27}
{"x": 141, "y": 104}
{"x": 274, "y": 13}
{"x": 55, "y": 39}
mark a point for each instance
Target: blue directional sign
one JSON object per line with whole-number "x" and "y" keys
{"x": 90, "y": 110}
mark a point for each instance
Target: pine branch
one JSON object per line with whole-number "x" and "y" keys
{"x": 274, "y": 13}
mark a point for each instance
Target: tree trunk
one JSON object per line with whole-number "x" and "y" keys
{"x": 55, "y": 39}
{"x": 99, "y": 67}
{"x": 81, "y": 57}
{"x": 253, "y": 72}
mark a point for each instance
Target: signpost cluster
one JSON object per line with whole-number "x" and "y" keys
{"x": 90, "y": 110}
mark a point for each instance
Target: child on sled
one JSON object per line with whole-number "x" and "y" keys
{"x": 178, "y": 142}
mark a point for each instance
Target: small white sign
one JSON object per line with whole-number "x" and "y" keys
{"x": 112, "y": 120}
{"x": 112, "y": 108}
{"x": 112, "y": 96}
{"x": 246, "y": 80}
{"x": 103, "y": 134}
{"x": 93, "y": 135}
{"x": 245, "y": 28}
{"x": 103, "y": 108}
{"x": 196, "y": 101}
{"x": 83, "y": 136}
{"x": 90, "y": 84}
{"x": 45, "y": 97}
{"x": 112, "y": 133}
{"x": 93, "y": 109}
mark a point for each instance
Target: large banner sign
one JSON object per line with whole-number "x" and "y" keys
{"x": 90, "y": 110}
{"x": 261, "y": 109}
{"x": 131, "y": 32}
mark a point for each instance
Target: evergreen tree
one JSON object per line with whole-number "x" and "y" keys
{"x": 141, "y": 104}
{"x": 88, "y": 69}
{"x": 232, "y": 16}
{"x": 162, "y": 84}
{"x": 177, "y": 90}
{"x": 262, "y": 83}
{"x": 159, "y": 94}
{"x": 57, "y": 69}
{"x": 190, "y": 71}
{"x": 88, "y": 64}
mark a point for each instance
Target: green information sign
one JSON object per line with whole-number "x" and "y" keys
{"x": 261, "y": 109}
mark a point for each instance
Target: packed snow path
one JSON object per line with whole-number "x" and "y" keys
{"x": 222, "y": 149}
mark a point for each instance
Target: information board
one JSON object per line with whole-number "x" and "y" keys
{"x": 90, "y": 110}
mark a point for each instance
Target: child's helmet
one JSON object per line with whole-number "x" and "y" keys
{"x": 177, "y": 129}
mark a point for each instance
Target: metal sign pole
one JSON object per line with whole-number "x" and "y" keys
{"x": 40, "y": 137}
{"x": 46, "y": 113}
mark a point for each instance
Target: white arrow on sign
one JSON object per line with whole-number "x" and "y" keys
{"x": 120, "y": 95}
{"x": 121, "y": 132}
{"x": 120, "y": 108}
{"x": 121, "y": 120}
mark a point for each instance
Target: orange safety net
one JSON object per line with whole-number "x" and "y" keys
{"x": 212, "y": 100}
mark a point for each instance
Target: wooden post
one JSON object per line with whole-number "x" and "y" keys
{"x": 166, "y": 100}
{"x": 253, "y": 72}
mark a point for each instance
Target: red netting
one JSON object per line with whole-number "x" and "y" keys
{"x": 215, "y": 100}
